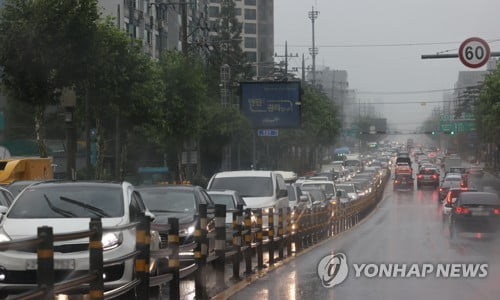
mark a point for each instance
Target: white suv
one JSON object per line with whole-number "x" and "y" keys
{"x": 68, "y": 207}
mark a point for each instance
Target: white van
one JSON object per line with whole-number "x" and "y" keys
{"x": 259, "y": 189}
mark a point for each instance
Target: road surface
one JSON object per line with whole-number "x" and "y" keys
{"x": 405, "y": 228}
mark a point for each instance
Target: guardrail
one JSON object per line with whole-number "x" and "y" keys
{"x": 288, "y": 231}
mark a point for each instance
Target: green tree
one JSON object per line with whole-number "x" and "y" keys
{"x": 181, "y": 114}
{"x": 122, "y": 84}
{"x": 488, "y": 109}
{"x": 43, "y": 45}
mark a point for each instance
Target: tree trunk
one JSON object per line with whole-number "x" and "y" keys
{"x": 123, "y": 157}
{"x": 100, "y": 145}
{"x": 179, "y": 161}
{"x": 88, "y": 164}
{"x": 40, "y": 130}
{"x": 118, "y": 163}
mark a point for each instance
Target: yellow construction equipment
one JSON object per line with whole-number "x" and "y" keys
{"x": 25, "y": 168}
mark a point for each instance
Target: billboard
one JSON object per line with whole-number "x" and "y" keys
{"x": 271, "y": 104}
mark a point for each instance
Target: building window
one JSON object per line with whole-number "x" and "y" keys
{"x": 250, "y": 14}
{"x": 214, "y": 1}
{"x": 251, "y": 56}
{"x": 250, "y": 42}
{"x": 250, "y": 2}
{"x": 250, "y": 28}
{"x": 213, "y": 12}
{"x": 237, "y": 11}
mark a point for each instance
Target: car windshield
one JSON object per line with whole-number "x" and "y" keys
{"x": 346, "y": 188}
{"x": 164, "y": 200}
{"x": 351, "y": 163}
{"x": 226, "y": 200}
{"x": 245, "y": 186}
{"x": 328, "y": 188}
{"x": 68, "y": 201}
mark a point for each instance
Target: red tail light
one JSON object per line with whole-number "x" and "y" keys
{"x": 461, "y": 210}
{"x": 496, "y": 211}
{"x": 448, "y": 199}
{"x": 462, "y": 184}
{"x": 440, "y": 189}
{"x": 396, "y": 181}
{"x": 420, "y": 176}
{"x": 464, "y": 189}
{"x": 435, "y": 176}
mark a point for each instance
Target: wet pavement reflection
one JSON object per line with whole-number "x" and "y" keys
{"x": 406, "y": 228}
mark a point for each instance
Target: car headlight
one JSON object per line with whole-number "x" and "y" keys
{"x": 3, "y": 236}
{"x": 111, "y": 240}
{"x": 265, "y": 211}
{"x": 190, "y": 230}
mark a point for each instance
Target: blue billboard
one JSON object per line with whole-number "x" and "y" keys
{"x": 271, "y": 104}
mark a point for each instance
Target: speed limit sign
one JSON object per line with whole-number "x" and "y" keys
{"x": 474, "y": 52}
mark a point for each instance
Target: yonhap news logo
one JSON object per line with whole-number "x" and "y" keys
{"x": 333, "y": 269}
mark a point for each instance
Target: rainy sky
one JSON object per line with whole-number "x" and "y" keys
{"x": 374, "y": 71}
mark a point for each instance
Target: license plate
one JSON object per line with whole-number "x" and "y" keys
{"x": 59, "y": 264}
{"x": 480, "y": 213}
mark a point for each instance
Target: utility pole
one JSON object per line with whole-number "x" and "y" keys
{"x": 313, "y": 15}
{"x": 303, "y": 69}
{"x": 286, "y": 56}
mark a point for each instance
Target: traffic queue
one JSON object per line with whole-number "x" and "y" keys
{"x": 67, "y": 206}
{"x": 466, "y": 210}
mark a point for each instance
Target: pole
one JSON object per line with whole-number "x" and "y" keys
{"x": 313, "y": 15}
{"x": 303, "y": 69}
{"x": 254, "y": 159}
{"x": 286, "y": 60}
{"x": 184, "y": 26}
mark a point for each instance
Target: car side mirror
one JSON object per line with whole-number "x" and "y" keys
{"x": 282, "y": 193}
{"x": 149, "y": 214}
{"x": 3, "y": 209}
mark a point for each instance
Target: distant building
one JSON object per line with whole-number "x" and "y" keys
{"x": 257, "y": 19}
{"x": 467, "y": 88}
{"x": 335, "y": 84}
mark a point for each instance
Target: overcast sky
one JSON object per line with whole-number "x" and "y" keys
{"x": 389, "y": 69}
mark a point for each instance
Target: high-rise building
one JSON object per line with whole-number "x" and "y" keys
{"x": 257, "y": 36}
{"x": 158, "y": 23}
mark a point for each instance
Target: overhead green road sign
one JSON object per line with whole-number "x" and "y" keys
{"x": 457, "y": 126}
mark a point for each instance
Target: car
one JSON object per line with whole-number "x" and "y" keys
{"x": 176, "y": 201}
{"x": 348, "y": 191}
{"x": 68, "y": 207}
{"x": 294, "y": 194}
{"x": 451, "y": 198}
{"x": 428, "y": 176}
{"x": 362, "y": 186}
{"x": 459, "y": 170}
{"x": 476, "y": 172}
{"x": 231, "y": 199}
{"x": 258, "y": 188}
{"x": 325, "y": 185}
{"x": 476, "y": 213}
{"x": 450, "y": 181}
{"x": 403, "y": 182}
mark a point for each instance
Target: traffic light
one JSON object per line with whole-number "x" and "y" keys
{"x": 452, "y": 132}
{"x": 433, "y": 133}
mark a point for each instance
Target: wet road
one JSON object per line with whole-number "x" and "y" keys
{"x": 405, "y": 228}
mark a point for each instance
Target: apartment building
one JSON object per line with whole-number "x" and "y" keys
{"x": 158, "y": 23}
{"x": 257, "y": 36}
